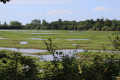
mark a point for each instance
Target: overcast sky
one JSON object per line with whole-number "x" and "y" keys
{"x": 50, "y": 10}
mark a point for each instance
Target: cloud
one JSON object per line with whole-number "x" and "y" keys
{"x": 100, "y": 8}
{"x": 57, "y": 12}
{"x": 30, "y": 13}
{"x": 41, "y": 1}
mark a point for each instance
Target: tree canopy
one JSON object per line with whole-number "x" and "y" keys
{"x": 4, "y": 1}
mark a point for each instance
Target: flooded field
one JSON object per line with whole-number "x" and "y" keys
{"x": 63, "y": 39}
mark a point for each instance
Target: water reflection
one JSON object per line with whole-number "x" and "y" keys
{"x": 3, "y": 38}
{"x": 37, "y": 38}
{"x": 23, "y": 42}
{"x": 49, "y": 57}
{"x": 24, "y": 50}
{"x": 76, "y": 39}
{"x": 44, "y": 33}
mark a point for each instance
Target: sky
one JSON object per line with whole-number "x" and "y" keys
{"x": 25, "y": 11}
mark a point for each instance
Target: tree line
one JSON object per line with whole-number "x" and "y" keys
{"x": 98, "y": 24}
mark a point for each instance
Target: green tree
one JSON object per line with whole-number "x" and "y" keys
{"x": 4, "y": 1}
{"x": 108, "y": 23}
{"x": 5, "y": 24}
{"x": 114, "y": 25}
{"x": 44, "y": 23}
{"x": 15, "y": 25}
{"x": 36, "y": 23}
{"x": 14, "y": 66}
{"x": 97, "y": 26}
{"x": 105, "y": 28}
{"x": 28, "y": 26}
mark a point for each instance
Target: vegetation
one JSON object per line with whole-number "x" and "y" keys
{"x": 95, "y": 41}
{"x": 14, "y": 66}
{"x": 4, "y": 1}
{"x": 90, "y": 65}
{"x": 97, "y": 25}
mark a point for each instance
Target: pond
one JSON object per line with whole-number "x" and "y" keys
{"x": 49, "y": 57}
{"x": 23, "y": 42}
{"x": 24, "y": 50}
{"x": 37, "y": 38}
{"x": 43, "y": 33}
{"x": 76, "y": 39}
{"x": 3, "y": 38}
{"x": 74, "y": 44}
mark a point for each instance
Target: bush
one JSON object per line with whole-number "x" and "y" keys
{"x": 14, "y": 66}
{"x": 105, "y": 28}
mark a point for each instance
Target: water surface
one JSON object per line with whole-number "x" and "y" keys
{"x": 24, "y": 50}
{"x": 49, "y": 57}
{"x": 76, "y": 39}
{"x": 3, "y": 38}
{"x": 23, "y": 42}
{"x": 37, "y": 38}
{"x": 44, "y": 33}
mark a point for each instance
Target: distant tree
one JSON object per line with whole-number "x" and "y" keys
{"x": 81, "y": 27}
{"x": 44, "y": 23}
{"x": 108, "y": 23}
{"x": 89, "y": 24}
{"x": 28, "y": 26}
{"x": 36, "y": 23}
{"x": 59, "y": 23}
{"x": 105, "y": 28}
{"x": 118, "y": 28}
{"x": 15, "y": 25}
{"x": 97, "y": 26}
{"x": 5, "y": 24}
{"x": 54, "y": 25}
{"x": 114, "y": 25}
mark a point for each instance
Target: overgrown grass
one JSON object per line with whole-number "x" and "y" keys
{"x": 96, "y": 39}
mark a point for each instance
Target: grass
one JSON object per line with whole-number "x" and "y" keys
{"x": 105, "y": 55}
{"x": 97, "y": 39}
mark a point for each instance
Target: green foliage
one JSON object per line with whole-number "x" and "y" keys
{"x": 99, "y": 65}
{"x": 15, "y": 25}
{"x": 14, "y": 66}
{"x": 4, "y": 1}
{"x": 105, "y": 28}
{"x": 90, "y": 65}
{"x": 115, "y": 40}
{"x": 98, "y": 25}
{"x": 63, "y": 67}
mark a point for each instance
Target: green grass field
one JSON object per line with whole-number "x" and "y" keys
{"x": 95, "y": 42}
